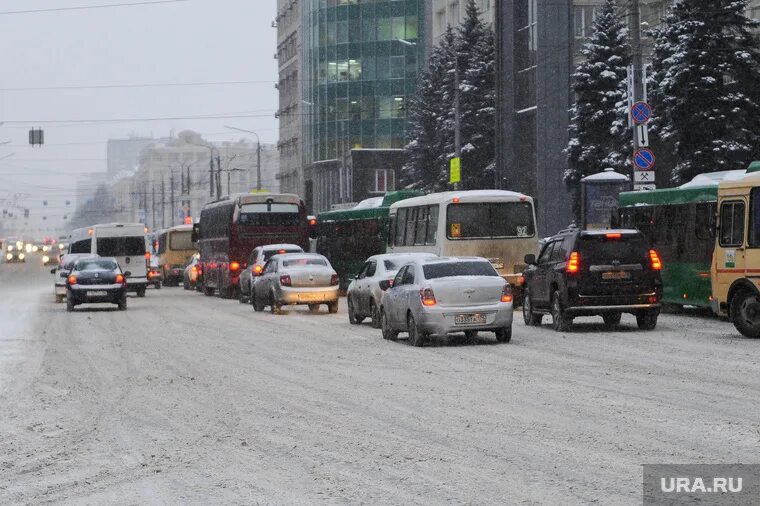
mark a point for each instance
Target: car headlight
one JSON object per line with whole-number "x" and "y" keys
{"x": 60, "y": 246}
{"x": 9, "y": 256}
{"x": 28, "y": 248}
{"x": 10, "y": 248}
{"x": 21, "y": 256}
{"x": 45, "y": 259}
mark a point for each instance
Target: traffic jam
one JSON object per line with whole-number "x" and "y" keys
{"x": 426, "y": 266}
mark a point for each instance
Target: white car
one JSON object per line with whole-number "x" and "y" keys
{"x": 365, "y": 292}
{"x": 256, "y": 261}
{"x": 440, "y": 296}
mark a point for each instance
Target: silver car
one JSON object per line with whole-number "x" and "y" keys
{"x": 296, "y": 278}
{"x": 444, "y": 295}
{"x": 365, "y": 292}
{"x": 256, "y": 261}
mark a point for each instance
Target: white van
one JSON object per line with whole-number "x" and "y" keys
{"x": 123, "y": 241}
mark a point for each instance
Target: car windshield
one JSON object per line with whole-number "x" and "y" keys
{"x": 271, "y": 253}
{"x": 96, "y": 265}
{"x": 304, "y": 262}
{"x": 628, "y": 248}
{"x": 121, "y": 246}
{"x": 450, "y": 269}
{"x": 393, "y": 264}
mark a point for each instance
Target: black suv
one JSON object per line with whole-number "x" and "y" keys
{"x": 593, "y": 272}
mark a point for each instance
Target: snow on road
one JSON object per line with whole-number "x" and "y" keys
{"x": 186, "y": 398}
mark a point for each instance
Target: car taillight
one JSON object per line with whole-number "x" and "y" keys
{"x": 147, "y": 255}
{"x": 574, "y": 264}
{"x": 614, "y": 235}
{"x": 285, "y": 280}
{"x": 427, "y": 297}
{"x": 506, "y": 293}
{"x": 234, "y": 266}
{"x": 333, "y": 280}
{"x": 195, "y": 269}
{"x": 119, "y": 279}
{"x": 258, "y": 269}
{"x": 655, "y": 258}
{"x": 72, "y": 280}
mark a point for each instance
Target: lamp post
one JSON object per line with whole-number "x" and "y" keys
{"x": 211, "y": 149}
{"x": 258, "y": 153}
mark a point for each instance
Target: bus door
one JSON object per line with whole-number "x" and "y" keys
{"x": 730, "y": 253}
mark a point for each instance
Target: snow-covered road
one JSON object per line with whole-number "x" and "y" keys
{"x": 192, "y": 399}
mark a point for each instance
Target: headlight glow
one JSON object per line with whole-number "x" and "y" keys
{"x": 28, "y": 248}
{"x": 21, "y": 256}
{"x": 45, "y": 259}
{"x": 35, "y": 249}
{"x": 9, "y": 256}
{"x": 10, "y": 248}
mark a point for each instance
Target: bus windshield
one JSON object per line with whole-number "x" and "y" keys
{"x": 269, "y": 214}
{"x": 489, "y": 220}
{"x": 121, "y": 246}
{"x": 179, "y": 241}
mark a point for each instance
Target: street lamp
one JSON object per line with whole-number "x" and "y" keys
{"x": 211, "y": 149}
{"x": 258, "y": 153}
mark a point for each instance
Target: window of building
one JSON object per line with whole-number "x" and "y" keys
{"x": 384, "y": 180}
{"x": 384, "y": 29}
{"x": 584, "y": 20}
{"x": 397, "y": 67}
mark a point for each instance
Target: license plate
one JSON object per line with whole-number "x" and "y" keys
{"x": 307, "y": 297}
{"x": 469, "y": 319}
{"x": 616, "y": 275}
{"x": 97, "y": 293}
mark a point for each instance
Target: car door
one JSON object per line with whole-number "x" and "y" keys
{"x": 394, "y": 297}
{"x": 366, "y": 285}
{"x": 539, "y": 289}
{"x": 263, "y": 282}
{"x": 409, "y": 290}
{"x": 356, "y": 289}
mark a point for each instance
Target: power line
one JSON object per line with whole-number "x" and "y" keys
{"x": 99, "y": 6}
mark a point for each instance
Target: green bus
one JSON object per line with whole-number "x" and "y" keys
{"x": 347, "y": 237}
{"x": 680, "y": 223}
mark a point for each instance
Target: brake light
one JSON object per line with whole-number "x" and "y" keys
{"x": 119, "y": 279}
{"x": 147, "y": 255}
{"x": 312, "y": 222}
{"x": 72, "y": 280}
{"x": 455, "y": 200}
{"x": 574, "y": 264}
{"x": 285, "y": 280}
{"x": 655, "y": 258}
{"x": 234, "y": 266}
{"x": 506, "y": 293}
{"x": 427, "y": 297}
{"x": 333, "y": 280}
{"x": 613, "y": 236}
{"x": 282, "y": 251}
{"x": 258, "y": 269}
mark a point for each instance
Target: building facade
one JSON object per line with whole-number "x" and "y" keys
{"x": 446, "y": 13}
{"x": 288, "y": 24}
{"x": 122, "y": 154}
{"x": 360, "y": 63}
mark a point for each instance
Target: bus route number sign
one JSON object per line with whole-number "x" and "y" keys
{"x": 456, "y": 230}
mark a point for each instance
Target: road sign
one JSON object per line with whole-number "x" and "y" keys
{"x": 644, "y": 187}
{"x": 455, "y": 170}
{"x": 640, "y": 113}
{"x": 643, "y": 158}
{"x": 643, "y": 176}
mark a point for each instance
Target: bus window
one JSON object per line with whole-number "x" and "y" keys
{"x": 732, "y": 224}
{"x": 180, "y": 240}
{"x": 490, "y": 220}
{"x": 754, "y": 218}
{"x": 704, "y": 222}
{"x": 411, "y": 218}
{"x": 120, "y": 246}
{"x": 432, "y": 228}
{"x": 269, "y": 214}
{"x": 421, "y": 226}
{"x": 400, "y": 227}
{"x": 83, "y": 246}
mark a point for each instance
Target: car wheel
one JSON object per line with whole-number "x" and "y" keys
{"x": 314, "y": 308}
{"x": 141, "y": 292}
{"x": 374, "y": 313}
{"x": 504, "y": 335}
{"x": 185, "y": 284}
{"x": 274, "y": 306}
{"x": 242, "y": 298}
{"x": 59, "y": 299}
{"x": 388, "y": 332}
{"x": 69, "y": 305}
{"x": 332, "y": 307}
{"x": 208, "y": 292}
{"x": 560, "y": 321}
{"x": 158, "y": 285}
{"x": 745, "y": 314}
{"x": 647, "y": 320}
{"x": 416, "y": 337}
{"x": 353, "y": 319}
{"x": 257, "y": 306}
{"x": 612, "y": 320}
{"x": 123, "y": 303}
{"x": 530, "y": 318}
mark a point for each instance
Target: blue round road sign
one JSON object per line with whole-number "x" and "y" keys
{"x": 643, "y": 158}
{"x": 641, "y": 112}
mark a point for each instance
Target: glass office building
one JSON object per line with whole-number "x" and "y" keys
{"x": 361, "y": 59}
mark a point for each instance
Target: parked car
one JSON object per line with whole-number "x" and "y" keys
{"x": 192, "y": 276}
{"x": 61, "y": 273}
{"x": 439, "y": 296}
{"x": 296, "y": 278}
{"x": 366, "y": 290}
{"x": 593, "y": 272}
{"x": 96, "y": 280}
{"x": 256, "y": 261}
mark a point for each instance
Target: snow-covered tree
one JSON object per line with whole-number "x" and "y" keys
{"x": 471, "y": 48}
{"x": 704, "y": 87}
{"x": 599, "y": 133}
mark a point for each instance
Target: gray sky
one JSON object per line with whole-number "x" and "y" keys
{"x": 185, "y": 42}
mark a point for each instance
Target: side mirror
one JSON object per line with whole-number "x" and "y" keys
{"x": 127, "y": 274}
{"x": 385, "y": 284}
{"x": 196, "y": 233}
{"x": 530, "y": 259}
{"x": 52, "y": 271}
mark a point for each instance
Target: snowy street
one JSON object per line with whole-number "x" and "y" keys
{"x": 186, "y": 398}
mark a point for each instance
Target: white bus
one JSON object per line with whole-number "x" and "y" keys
{"x": 123, "y": 241}
{"x": 495, "y": 224}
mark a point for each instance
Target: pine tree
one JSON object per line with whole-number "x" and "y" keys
{"x": 705, "y": 95}
{"x": 599, "y": 133}
{"x": 471, "y": 47}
